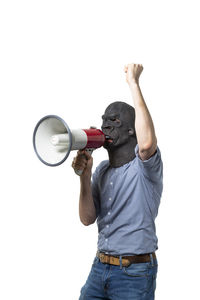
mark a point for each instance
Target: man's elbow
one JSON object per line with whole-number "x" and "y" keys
{"x": 88, "y": 222}
{"x": 150, "y": 149}
{"x": 151, "y": 144}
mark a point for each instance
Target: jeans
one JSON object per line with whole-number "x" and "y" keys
{"x": 109, "y": 282}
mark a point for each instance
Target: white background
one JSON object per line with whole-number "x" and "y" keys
{"x": 67, "y": 58}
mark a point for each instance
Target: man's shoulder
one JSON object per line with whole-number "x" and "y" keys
{"x": 103, "y": 165}
{"x": 100, "y": 169}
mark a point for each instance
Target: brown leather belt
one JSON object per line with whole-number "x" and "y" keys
{"x": 126, "y": 260}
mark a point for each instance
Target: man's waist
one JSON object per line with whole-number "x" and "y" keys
{"x": 125, "y": 260}
{"x": 135, "y": 241}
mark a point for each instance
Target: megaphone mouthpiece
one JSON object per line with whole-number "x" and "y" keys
{"x": 95, "y": 137}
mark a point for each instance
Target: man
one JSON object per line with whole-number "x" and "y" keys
{"x": 124, "y": 197}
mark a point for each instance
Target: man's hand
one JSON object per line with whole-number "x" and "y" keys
{"x": 133, "y": 72}
{"x": 83, "y": 161}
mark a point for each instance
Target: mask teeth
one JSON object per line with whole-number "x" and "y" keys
{"x": 107, "y": 137}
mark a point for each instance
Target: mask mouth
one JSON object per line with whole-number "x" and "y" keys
{"x": 108, "y": 139}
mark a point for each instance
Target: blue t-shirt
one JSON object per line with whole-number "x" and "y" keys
{"x": 127, "y": 200}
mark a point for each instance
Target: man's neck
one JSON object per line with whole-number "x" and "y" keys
{"x": 122, "y": 155}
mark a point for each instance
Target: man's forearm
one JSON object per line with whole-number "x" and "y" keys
{"x": 143, "y": 122}
{"x": 87, "y": 209}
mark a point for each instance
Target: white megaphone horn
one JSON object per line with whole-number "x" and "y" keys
{"x": 53, "y": 140}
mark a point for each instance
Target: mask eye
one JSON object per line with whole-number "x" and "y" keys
{"x": 115, "y": 120}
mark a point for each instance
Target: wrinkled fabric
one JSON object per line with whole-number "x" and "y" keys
{"x": 127, "y": 199}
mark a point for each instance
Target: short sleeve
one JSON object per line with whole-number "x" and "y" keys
{"x": 95, "y": 190}
{"x": 152, "y": 167}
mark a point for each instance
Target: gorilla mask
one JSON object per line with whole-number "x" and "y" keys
{"x": 119, "y": 128}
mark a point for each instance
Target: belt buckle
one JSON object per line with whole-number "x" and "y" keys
{"x": 101, "y": 257}
{"x": 105, "y": 259}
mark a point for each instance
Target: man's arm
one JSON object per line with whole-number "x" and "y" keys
{"x": 144, "y": 127}
{"x": 87, "y": 211}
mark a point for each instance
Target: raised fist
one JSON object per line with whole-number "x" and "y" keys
{"x": 133, "y": 72}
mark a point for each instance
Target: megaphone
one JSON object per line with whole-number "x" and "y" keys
{"x": 53, "y": 140}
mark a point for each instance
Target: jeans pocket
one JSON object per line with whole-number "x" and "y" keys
{"x": 137, "y": 270}
{"x": 137, "y": 277}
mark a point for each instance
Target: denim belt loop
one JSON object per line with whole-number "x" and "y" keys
{"x": 120, "y": 260}
{"x": 151, "y": 257}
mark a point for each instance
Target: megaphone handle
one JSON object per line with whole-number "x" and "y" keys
{"x": 79, "y": 172}
{"x": 89, "y": 150}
